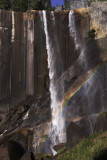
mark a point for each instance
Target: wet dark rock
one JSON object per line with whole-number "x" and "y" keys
{"x": 4, "y": 152}
{"x": 59, "y": 147}
{"x": 102, "y": 155}
{"x": 26, "y": 156}
{"x": 75, "y": 134}
{"x": 101, "y": 123}
{"x": 15, "y": 150}
{"x": 24, "y": 84}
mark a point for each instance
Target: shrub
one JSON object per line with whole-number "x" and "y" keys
{"x": 36, "y": 5}
{"x": 4, "y": 4}
{"x": 24, "y": 5}
{"x": 19, "y": 5}
{"x": 91, "y": 34}
{"x": 67, "y": 5}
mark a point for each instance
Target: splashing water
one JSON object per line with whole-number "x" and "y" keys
{"x": 92, "y": 88}
{"x": 56, "y": 133}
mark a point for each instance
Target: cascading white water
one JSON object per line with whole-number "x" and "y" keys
{"x": 93, "y": 86}
{"x": 72, "y": 28}
{"x": 79, "y": 43}
{"x": 13, "y": 27}
{"x": 80, "y": 46}
{"x": 52, "y": 15}
{"x": 56, "y": 133}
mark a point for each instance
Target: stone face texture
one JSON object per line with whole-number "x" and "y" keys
{"x": 23, "y": 62}
{"x": 24, "y": 75}
{"x": 23, "y": 65}
{"x": 4, "y": 153}
{"x": 5, "y": 53}
{"x": 98, "y": 18}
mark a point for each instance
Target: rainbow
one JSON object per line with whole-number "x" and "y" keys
{"x": 78, "y": 84}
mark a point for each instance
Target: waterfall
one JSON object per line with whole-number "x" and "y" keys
{"x": 13, "y": 27}
{"x": 30, "y": 57}
{"x": 72, "y": 28}
{"x": 52, "y": 16}
{"x": 78, "y": 39}
{"x": 56, "y": 134}
{"x": 93, "y": 87}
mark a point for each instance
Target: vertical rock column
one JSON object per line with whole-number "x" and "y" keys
{"x": 5, "y": 45}
{"x": 30, "y": 56}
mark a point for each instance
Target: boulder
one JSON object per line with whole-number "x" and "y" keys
{"x": 15, "y": 150}
{"x": 26, "y": 156}
{"x": 59, "y": 147}
{"x": 101, "y": 122}
{"x": 75, "y": 134}
{"x": 4, "y": 153}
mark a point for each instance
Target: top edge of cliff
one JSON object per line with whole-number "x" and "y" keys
{"x": 98, "y": 4}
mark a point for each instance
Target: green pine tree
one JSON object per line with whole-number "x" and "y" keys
{"x": 24, "y": 5}
{"x": 4, "y": 4}
{"x": 67, "y": 4}
{"x": 48, "y": 4}
{"x": 36, "y": 5}
{"x": 20, "y": 5}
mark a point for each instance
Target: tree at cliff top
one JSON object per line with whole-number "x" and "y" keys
{"x": 36, "y": 5}
{"x": 24, "y": 5}
{"x": 19, "y": 5}
{"x": 67, "y": 4}
{"x": 4, "y": 4}
{"x": 40, "y": 4}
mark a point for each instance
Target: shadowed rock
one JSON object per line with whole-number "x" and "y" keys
{"x": 27, "y": 156}
{"x": 4, "y": 153}
{"x": 101, "y": 123}
{"x": 16, "y": 151}
{"x": 102, "y": 155}
{"x": 75, "y": 134}
{"x": 59, "y": 147}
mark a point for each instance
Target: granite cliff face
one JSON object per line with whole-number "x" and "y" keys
{"x": 24, "y": 80}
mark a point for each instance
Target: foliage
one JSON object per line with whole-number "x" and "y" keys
{"x": 91, "y": 34}
{"x": 53, "y": 8}
{"x": 48, "y": 4}
{"x": 87, "y": 149}
{"x": 4, "y": 4}
{"x": 36, "y": 5}
{"x": 24, "y": 5}
{"x": 19, "y": 5}
{"x": 102, "y": 114}
{"x": 67, "y": 5}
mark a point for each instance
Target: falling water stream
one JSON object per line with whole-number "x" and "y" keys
{"x": 93, "y": 85}
{"x": 79, "y": 42}
{"x": 56, "y": 133}
{"x": 57, "y": 128}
